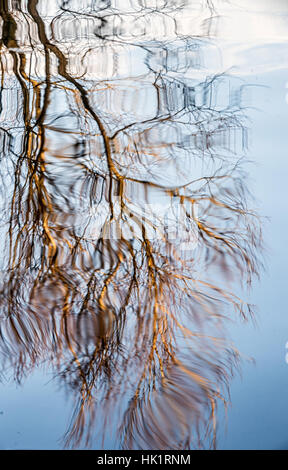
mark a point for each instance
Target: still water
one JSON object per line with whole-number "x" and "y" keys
{"x": 143, "y": 202}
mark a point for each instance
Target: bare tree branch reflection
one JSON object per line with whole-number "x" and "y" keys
{"x": 132, "y": 325}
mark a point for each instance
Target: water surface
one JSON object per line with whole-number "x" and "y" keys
{"x": 131, "y": 221}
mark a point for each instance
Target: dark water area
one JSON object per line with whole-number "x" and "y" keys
{"x": 132, "y": 220}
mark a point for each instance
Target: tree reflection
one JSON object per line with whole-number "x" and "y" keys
{"x": 132, "y": 325}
